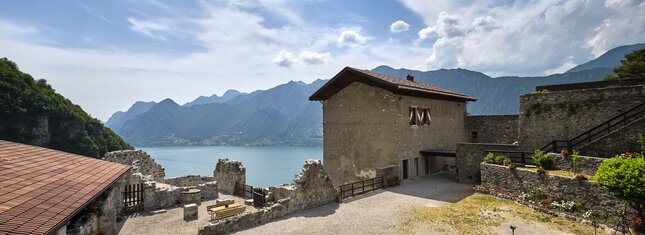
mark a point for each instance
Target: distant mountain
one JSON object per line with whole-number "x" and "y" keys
{"x": 117, "y": 119}
{"x": 279, "y": 116}
{"x": 31, "y": 112}
{"x": 610, "y": 59}
{"x": 283, "y": 115}
{"x": 495, "y": 96}
{"x": 228, "y": 95}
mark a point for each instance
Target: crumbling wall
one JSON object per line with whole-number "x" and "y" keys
{"x": 140, "y": 161}
{"x": 313, "y": 188}
{"x": 189, "y": 180}
{"x": 160, "y": 196}
{"x": 227, "y": 172}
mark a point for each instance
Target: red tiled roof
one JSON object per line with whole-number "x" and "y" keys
{"x": 40, "y": 188}
{"x": 396, "y": 85}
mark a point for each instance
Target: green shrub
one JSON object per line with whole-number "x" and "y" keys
{"x": 501, "y": 159}
{"x": 624, "y": 177}
{"x": 507, "y": 161}
{"x": 490, "y": 158}
{"x": 542, "y": 160}
{"x": 536, "y": 194}
{"x": 575, "y": 161}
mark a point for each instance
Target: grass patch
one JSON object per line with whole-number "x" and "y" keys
{"x": 481, "y": 214}
{"x": 556, "y": 172}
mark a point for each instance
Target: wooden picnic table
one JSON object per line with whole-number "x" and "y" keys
{"x": 220, "y": 212}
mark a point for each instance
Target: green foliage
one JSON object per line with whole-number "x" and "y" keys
{"x": 624, "y": 177}
{"x": 295, "y": 179}
{"x": 33, "y": 113}
{"x": 543, "y": 91}
{"x": 490, "y": 158}
{"x": 502, "y": 160}
{"x": 536, "y": 194}
{"x": 542, "y": 160}
{"x": 641, "y": 141}
{"x": 632, "y": 67}
{"x": 575, "y": 160}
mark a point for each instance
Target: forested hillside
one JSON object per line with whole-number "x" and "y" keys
{"x": 32, "y": 112}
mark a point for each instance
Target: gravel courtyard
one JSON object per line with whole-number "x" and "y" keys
{"x": 432, "y": 205}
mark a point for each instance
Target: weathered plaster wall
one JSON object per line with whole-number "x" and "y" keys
{"x": 358, "y": 126}
{"x": 189, "y": 180}
{"x": 367, "y": 127}
{"x": 446, "y": 130}
{"x": 227, "y": 172}
{"x": 556, "y": 187}
{"x": 565, "y": 114}
{"x": 500, "y": 129}
{"x": 469, "y": 157}
{"x": 140, "y": 161}
{"x": 313, "y": 188}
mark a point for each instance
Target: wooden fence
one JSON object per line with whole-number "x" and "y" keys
{"x": 360, "y": 187}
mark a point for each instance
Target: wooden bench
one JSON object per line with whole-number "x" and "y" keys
{"x": 221, "y": 212}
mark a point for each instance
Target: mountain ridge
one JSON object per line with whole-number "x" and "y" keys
{"x": 283, "y": 115}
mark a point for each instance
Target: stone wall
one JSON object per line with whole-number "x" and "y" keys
{"x": 313, "y": 188}
{"x": 227, "y": 172}
{"x": 561, "y": 115}
{"x": 556, "y": 187}
{"x": 189, "y": 180}
{"x": 619, "y": 141}
{"x": 587, "y": 165}
{"x": 140, "y": 161}
{"x": 500, "y": 129}
{"x": 160, "y": 196}
{"x": 469, "y": 157}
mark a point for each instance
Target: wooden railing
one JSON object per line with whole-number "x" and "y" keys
{"x": 619, "y": 121}
{"x": 360, "y": 187}
{"x": 247, "y": 191}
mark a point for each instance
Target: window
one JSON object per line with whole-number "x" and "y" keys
{"x": 419, "y": 116}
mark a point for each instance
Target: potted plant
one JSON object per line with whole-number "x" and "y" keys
{"x": 565, "y": 152}
{"x": 512, "y": 166}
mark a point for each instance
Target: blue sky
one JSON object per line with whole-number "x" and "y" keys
{"x": 105, "y": 55}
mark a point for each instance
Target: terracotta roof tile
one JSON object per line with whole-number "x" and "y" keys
{"x": 41, "y": 188}
{"x": 393, "y": 84}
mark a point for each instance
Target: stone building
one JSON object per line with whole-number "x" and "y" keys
{"x": 44, "y": 191}
{"x": 373, "y": 122}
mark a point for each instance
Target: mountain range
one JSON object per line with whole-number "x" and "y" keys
{"x": 283, "y": 115}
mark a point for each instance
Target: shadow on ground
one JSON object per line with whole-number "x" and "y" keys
{"x": 442, "y": 187}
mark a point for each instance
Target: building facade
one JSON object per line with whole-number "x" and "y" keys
{"x": 372, "y": 121}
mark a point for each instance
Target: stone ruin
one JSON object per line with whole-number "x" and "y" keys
{"x": 160, "y": 193}
{"x": 313, "y": 188}
{"x": 140, "y": 161}
{"x": 227, "y": 172}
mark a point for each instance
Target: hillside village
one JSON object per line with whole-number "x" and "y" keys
{"x": 388, "y": 143}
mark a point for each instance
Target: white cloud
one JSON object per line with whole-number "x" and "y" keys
{"x": 525, "y": 37}
{"x": 149, "y": 28}
{"x": 350, "y": 37}
{"x": 427, "y": 32}
{"x": 399, "y": 26}
{"x": 287, "y": 59}
{"x": 284, "y": 59}
{"x": 313, "y": 58}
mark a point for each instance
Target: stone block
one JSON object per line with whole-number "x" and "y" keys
{"x": 190, "y": 212}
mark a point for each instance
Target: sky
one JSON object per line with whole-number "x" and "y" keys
{"x": 105, "y": 55}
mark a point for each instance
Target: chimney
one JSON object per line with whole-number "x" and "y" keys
{"x": 410, "y": 78}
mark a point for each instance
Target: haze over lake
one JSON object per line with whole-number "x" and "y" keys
{"x": 265, "y": 166}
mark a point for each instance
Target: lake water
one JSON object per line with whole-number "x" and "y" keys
{"x": 265, "y": 166}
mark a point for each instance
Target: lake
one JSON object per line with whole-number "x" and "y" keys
{"x": 265, "y": 166}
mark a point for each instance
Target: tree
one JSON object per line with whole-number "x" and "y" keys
{"x": 632, "y": 67}
{"x": 624, "y": 177}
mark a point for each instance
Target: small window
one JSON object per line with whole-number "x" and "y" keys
{"x": 413, "y": 116}
{"x": 419, "y": 116}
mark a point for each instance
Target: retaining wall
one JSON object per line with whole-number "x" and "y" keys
{"x": 556, "y": 187}
{"x": 469, "y": 157}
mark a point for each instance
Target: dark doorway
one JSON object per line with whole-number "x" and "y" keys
{"x": 427, "y": 165}
{"x": 405, "y": 169}
{"x": 416, "y": 165}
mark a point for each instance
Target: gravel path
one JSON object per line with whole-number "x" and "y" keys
{"x": 377, "y": 213}
{"x": 172, "y": 221}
